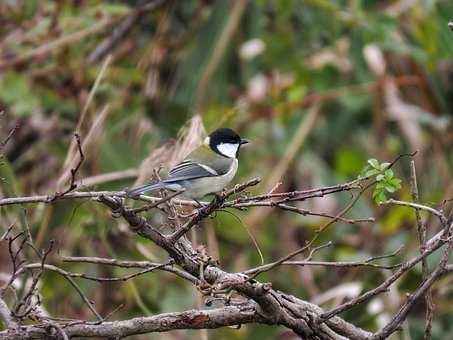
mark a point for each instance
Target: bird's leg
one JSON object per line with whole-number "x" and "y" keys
{"x": 198, "y": 203}
{"x": 218, "y": 197}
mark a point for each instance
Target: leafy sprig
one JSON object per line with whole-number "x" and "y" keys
{"x": 386, "y": 182}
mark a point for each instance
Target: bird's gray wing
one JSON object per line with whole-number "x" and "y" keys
{"x": 189, "y": 170}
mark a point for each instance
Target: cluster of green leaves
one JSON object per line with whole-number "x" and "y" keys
{"x": 385, "y": 179}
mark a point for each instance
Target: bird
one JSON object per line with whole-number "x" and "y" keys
{"x": 206, "y": 170}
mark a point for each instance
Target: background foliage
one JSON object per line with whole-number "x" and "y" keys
{"x": 380, "y": 72}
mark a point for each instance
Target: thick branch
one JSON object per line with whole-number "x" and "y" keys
{"x": 191, "y": 319}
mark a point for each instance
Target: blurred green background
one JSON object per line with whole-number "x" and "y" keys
{"x": 319, "y": 86}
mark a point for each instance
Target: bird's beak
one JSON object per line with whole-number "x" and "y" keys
{"x": 244, "y": 141}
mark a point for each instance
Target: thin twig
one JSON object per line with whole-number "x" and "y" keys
{"x": 86, "y": 194}
{"x": 421, "y": 229}
{"x": 307, "y": 262}
{"x": 96, "y": 278}
{"x": 133, "y": 264}
{"x": 417, "y": 206}
{"x": 156, "y": 204}
{"x": 74, "y": 170}
{"x": 10, "y": 134}
{"x": 26, "y": 300}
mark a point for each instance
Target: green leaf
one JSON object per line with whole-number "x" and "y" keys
{"x": 374, "y": 163}
{"x": 388, "y": 173}
{"x": 379, "y": 177}
{"x": 390, "y": 188}
{"x": 385, "y": 165}
{"x": 376, "y": 191}
{"x": 371, "y": 172}
{"x": 396, "y": 182}
{"x": 380, "y": 197}
{"x": 380, "y": 186}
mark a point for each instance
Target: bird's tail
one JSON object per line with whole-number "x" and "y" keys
{"x": 143, "y": 188}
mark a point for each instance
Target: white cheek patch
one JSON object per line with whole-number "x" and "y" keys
{"x": 228, "y": 149}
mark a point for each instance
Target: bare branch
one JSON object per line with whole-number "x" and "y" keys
{"x": 421, "y": 229}
{"x": 156, "y": 204}
{"x": 308, "y": 262}
{"x": 10, "y": 134}
{"x": 85, "y": 194}
{"x": 417, "y": 206}
{"x": 134, "y": 264}
{"x": 94, "y": 278}
{"x": 191, "y": 319}
{"x": 74, "y": 170}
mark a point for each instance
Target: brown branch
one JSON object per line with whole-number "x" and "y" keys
{"x": 94, "y": 278}
{"x": 134, "y": 264}
{"x": 10, "y": 134}
{"x": 300, "y": 195}
{"x": 308, "y": 262}
{"x": 73, "y": 184}
{"x": 303, "y": 212}
{"x": 156, "y": 204}
{"x": 191, "y": 319}
{"x": 83, "y": 195}
{"x": 417, "y": 206}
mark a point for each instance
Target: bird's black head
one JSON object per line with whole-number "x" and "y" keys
{"x": 226, "y": 142}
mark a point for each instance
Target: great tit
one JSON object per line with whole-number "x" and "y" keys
{"x": 206, "y": 170}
